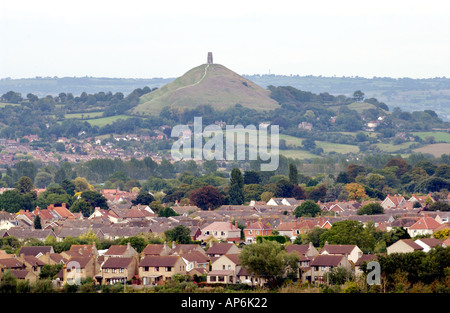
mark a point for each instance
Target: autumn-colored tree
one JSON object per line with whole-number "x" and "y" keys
{"x": 356, "y": 191}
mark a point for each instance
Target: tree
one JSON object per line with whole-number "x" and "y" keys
{"x": 355, "y": 191}
{"x": 439, "y": 206}
{"x": 251, "y": 177}
{"x": 95, "y": 199}
{"x": 207, "y": 197}
{"x": 11, "y": 201}
{"x": 443, "y": 171}
{"x": 24, "y": 185}
{"x": 370, "y": 209}
{"x": 43, "y": 179}
{"x": 293, "y": 174}
{"x": 349, "y": 232}
{"x": 37, "y": 222}
{"x": 25, "y": 168}
{"x": 266, "y": 196}
{"x": 307, "y": 208}
{"x": 143, "y": 198}
{"x": 358, "y": 95}
{"x": 8, "y": 282}
{"x": 180, "y": 234}
{"x": 236, "y": 191}
{"x": 82, "y": 206}
{"x": 269, "y": 260}
{"x": 167, "y": 212}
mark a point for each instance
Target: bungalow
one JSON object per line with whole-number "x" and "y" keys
{"x": 256, "y": 229}
{"x": 392, "y": 202}
{"x": 404, "y": 246}
{"x": 353, "y": 252}
{"x": 424, "y": 226}
{"x": 156, "y": 269}
{"x": 429, "y": 243}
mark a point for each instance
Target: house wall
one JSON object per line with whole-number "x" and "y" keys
{"x": 128, "y": 272}
{"x": 399, "y": 247}
{"x": 178, "y": 268}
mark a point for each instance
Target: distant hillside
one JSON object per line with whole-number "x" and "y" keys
{"x": 207, "y": 84}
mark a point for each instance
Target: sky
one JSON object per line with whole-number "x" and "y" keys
{"x": 146, "y": 39}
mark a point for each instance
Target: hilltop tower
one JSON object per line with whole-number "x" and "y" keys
{"x": 210, "y": 58}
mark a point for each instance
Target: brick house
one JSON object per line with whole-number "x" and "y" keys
{"x": 157, "y": 269}
{"x": 256, "y": 229}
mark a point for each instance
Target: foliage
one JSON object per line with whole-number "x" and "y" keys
{"x": 307, "y": 208}
{"x": 179, "y": 234}
{"x": 370, "y": 209}
{"x": 207, "y": 197}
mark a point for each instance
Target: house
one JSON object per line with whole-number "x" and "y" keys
{"x": 156, "y": 250}
{"x": 295, "y": 228}
{"x": 79, "y": 267}
{"x": 429, "y": 243}
{"x": 365, "y": 258}
{"x": 225, "y": 231}
{"x": 392, "y": 202}
{"x": 323, "y": 264}
{"x": 32, "y": 263}
{"x": 216, "y": 250}
{"x": 420, "y": 199}
{"x": 224, "y": 270}
{"x": 25, "y": 233}
{"x": 11, "y": 263}
{"x": 121, "y": 251}
{"x": 81, "y": 251}
{"x": 256, "y": 229}
{"x": 36, "y": 251}
{"x": 306, "y": 250}
{"x": 25, "y": 275}
{"x": 424, "y": 226}
{"x": 404, "y": 246}
{"x": 158, "y": 269}
{"x": 196, "y": 260}
{"x": 351, "y": 251}
{"x": 119, "y": 270}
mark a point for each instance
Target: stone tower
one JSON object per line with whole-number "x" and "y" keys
{"x": 210, "y": 58}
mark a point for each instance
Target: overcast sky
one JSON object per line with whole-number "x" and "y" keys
{"x": 145, "y": 39}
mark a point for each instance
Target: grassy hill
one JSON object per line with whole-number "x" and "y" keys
{"x": 207, "y": 84}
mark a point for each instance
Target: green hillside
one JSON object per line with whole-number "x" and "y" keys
{"x": 207, "y": 84}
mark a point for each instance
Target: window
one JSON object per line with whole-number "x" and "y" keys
{"x": 113, "y": 270}
{"x": 229, "y": 267}
{"x": 223, "y": 266}
{"x": 212, "y": 278}
{"x": 221, "y": 278}
{"x": 106, "y": 270}
{"x": 156, "y": 268}
{"x": 121, "y": 270}
{"x": 250, "y": 232}
{"x": 146, "y": 268}
{"x": 169, "y": 269}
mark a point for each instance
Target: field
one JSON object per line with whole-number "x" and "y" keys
{"x": 391, "y": 148}
{"x": 438, "y": 136}
{"x": 326, "y": 146}
{"x": 436, "y": 149}
{"x": 87, "y": 115}
{"x": 100, "y": 122}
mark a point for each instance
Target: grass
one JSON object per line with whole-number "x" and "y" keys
{"x": 325, "y": 145}
{"x": 100, "y": 122}
{"x": 438, "y": 136}
{"x": 298, "y": 154}
{"x": 86, "y": 116}
{"x": 4, "y": 104}
{"x": 390, "y": 148}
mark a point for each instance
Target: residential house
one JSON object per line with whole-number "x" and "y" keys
{"x": 392, "y": 202}
{"x": 420, "y": 199}
{"x": 121, "y": 251}
{"x": 158, "y": 269}
{"x": 429, "y": 243}
{"x": 323, "y": 264}
{"x": 424, "y": 226}
{"x": 26, "y": 233}
{"x": 79, "y": 267}
{"x": 119, "y": 270}
{"x": 305, "y": 253}
{"x": 224, "y": 270}
{"x": 31, "y": 263}
{"x": 25, "y": 275}
{"x": 196, "y": 260}
{"x": 256, "y": 229}
{"x": 36, "y": 251}
{"x": 296, "y": 227}
{"x": 180, "y": 249}
{"x": 364, "y": 259}
{"x": 81, "y": 251}
{"x": 216, "y": 250}
{"x": 156, "y": 250}
{"x": 224, "y": 231}
{"x": 353, "y": 252}
{"x": 404, "y": 246}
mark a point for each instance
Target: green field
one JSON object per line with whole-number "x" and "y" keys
{"x": 438, "y": 136}
{"x": 391, "y": 148}
{"x": 298, "y": 154}
{"x": 87, "y": 115}
{"x": 325, "y": 145}
{"x": 100, "y": 122}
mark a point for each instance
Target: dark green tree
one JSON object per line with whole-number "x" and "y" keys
{"x": 37, "y": 222}
{"x": 180, "y": 234}
{"x": 293, "y": 174}
{"x": 307, "y": 208}
{"x": 236, "y": 191}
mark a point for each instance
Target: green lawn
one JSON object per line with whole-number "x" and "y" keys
{"x": 325, "y": 145}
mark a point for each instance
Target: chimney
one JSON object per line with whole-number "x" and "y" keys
{"x": 173, "y": 245}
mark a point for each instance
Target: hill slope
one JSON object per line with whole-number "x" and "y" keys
{"x": 207, "y": 84}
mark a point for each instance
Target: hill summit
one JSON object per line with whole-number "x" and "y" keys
{"x": 207, "y": 84}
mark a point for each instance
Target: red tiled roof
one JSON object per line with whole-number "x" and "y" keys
{"x": 425, "y": 223}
